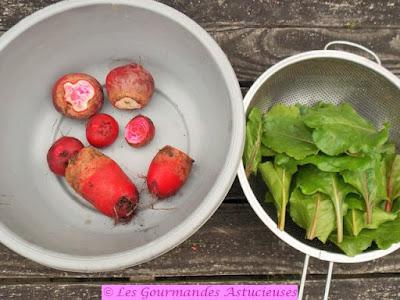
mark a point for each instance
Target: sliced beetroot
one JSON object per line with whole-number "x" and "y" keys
{"x": 101, "y": 130}
{"x": 77, "y": 95}
{"x": 168, "y": 171}
{"x": 129, "y": 87}
{"x": 61, "y": 152}
{"x": 139, "y": 131}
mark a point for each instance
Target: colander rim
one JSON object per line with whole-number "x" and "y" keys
{"x": 252, "y": 199}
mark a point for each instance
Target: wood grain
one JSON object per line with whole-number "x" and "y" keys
{"x": 263, "y": 13}
{"x": 341, "y": 289}
{"x": 233, "y": 242}
{"x": 253, "y": 50}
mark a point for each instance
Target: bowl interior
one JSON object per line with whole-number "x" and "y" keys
{"x": 191, "y": 109}
{"x": 332, "y": 80}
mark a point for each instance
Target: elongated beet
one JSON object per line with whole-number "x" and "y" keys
{"x": 100, "y": 180}
{"x": 129, "y": 87}
{"x": 61, "y": 152}
{"x": 168, "y": 171}
{"x": 77, "y": 95}
{"x": 139, "y": 131}
{"x": 101, "y": 130}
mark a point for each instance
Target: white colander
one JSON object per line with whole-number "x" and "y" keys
{"x": 329, "y": 76}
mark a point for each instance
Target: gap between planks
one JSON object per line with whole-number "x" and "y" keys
{"x": 192, "y": 279}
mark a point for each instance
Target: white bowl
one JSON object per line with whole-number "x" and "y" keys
{"x": 197, "y": 107}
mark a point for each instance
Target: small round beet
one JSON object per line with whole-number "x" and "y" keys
{"x": 61, "y": 152}
{"x": 77, "y": 95}
{"x": 101, "y": 130}
{"x": 139, "y": 131}
{"x": 129, "y": 87}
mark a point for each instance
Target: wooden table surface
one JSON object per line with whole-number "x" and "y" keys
{"x": 234, "y": 246}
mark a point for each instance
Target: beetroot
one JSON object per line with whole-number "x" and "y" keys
{"x": 77, "y": 95}
{"x": 168, "y": 171}
{"x": 61, "y": 152}
{"x": 139, "y": 131}
{"x": 101, "y": 130}
{"x": 100, "y": 180}
{"x": 129, "y": 86}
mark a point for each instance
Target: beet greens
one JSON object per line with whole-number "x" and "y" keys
{"x": 331, "y": 169}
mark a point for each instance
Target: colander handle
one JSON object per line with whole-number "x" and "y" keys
{"x": 304, "y": 275}
{"x": 370, "y": 52}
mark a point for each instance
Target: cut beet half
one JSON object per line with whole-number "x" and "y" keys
{"x": 139, "y": 131}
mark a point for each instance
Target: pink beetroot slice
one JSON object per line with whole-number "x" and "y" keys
{"x": 139, "y": 131}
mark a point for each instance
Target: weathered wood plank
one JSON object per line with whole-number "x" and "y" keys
{"x": 232, "y": 242}
{"x": 270, "y": 13}
{"x": 367, "y": 288}
{"x": 236, "y": 192}
{"x": 253, "y": 50}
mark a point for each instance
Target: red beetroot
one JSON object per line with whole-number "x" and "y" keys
{"x": 139, "y": 131}
{"x": 101, "y": 130}
{"x": 60, "y": 153}
{"x": 168, "y": 171}
{"x": 129, "y": 87}
{"x": 100, "y": 180}
{"x": 77, "y": 95}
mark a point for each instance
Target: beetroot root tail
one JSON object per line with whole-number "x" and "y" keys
{"x": 124, "y": 210}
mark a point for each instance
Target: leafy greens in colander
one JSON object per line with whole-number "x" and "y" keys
{"x": 331, "y": 169}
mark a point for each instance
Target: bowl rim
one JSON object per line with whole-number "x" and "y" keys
{"x": 216, "y": 194}
{"x": 252, "y": 199}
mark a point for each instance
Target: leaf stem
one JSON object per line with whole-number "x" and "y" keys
{"x": 339, "y": 224}
{"x": 354, "y": 223}
{"x": 369, "y": 212}
{"x": 338, "y": 211}
{"x": 388, "y": 206}
{"x": 282, "y": 213}
{"x": 282, "y": 217}
{"x": 311, "y": 234}
{"x": 368, "y": 202}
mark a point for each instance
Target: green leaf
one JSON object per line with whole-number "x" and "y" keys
{"x": 355, "y": 202}
{"x": 267, "y": 152}
{"x": 353, "y": 245}
{"x": 388, "y": 148}
{"x": 268, "y": 197}
{"x": 355, "y": 220}
{"x": 384, "y": 236}
{"x": 312, "y": 180}
{"x": 340, "y": 129}
{"x": 278, "y": 181}
{"x": 370, "y": 183}
{"x": 387, "y": 234}
{"x": 252, "y": 147}
{"x": 285, "y": 132}
{"x": 285, "y": 161}
{"x": 314, "y": 213}
{"x": 338, "y": 163}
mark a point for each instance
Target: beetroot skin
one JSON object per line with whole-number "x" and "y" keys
{"x": 129, "y": 87}
{"x": 77, "y": 95}
{"x": 139, "y": 131}
{"x": 61, "y": 152}
{"x": 100, "y": 180}
{"x": 168, "y": 171}
{"x": 101, "y": 130}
